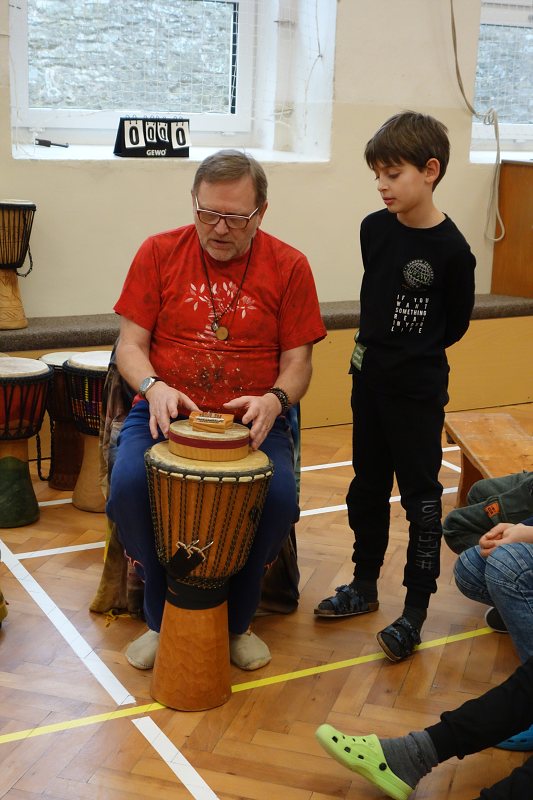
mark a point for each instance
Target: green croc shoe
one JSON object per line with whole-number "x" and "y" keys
{"x": 363, "y": 754}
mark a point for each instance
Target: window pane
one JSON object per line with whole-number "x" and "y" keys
{"x": 140, "y": 55}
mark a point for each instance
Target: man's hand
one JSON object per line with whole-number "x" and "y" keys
{"x": 504, "y": 533}
{"x": 260, "y": 411}
{"x": 165, "y": 404}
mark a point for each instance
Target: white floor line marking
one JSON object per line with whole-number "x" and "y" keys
{"x": 174, "y": 759}
{"x": 327, "y": 466}
{"x": 57, "y": 551}
{"x": 331, "y": 509}
{"x": 454, "y": 467}
{"x": 79, "y": 645}
{"x": 54, "y": 502}
{"x": 349, "y": 463}
{"x": 325, "y": 510}
{"x": 179, "y": 765}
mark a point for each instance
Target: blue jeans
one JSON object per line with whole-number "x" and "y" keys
{"x": 503, "y": 580}
{"x": 128, "y": 507}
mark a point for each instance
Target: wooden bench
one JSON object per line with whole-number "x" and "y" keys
{"x": 492, "y": 444}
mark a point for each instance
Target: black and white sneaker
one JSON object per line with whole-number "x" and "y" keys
{"x": 494, "y": 620}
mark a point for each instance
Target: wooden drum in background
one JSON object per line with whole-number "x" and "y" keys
{"x": 205, "y": 516}
{"x": 85, "y": 375}
{"x": 24, "y": 385}
{"x": 16, "y": 220}
{"x": 66, "y": 443}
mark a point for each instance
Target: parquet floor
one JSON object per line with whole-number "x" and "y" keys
{"x": 76, "y": 721}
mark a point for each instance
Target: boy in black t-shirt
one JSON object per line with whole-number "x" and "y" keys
{"x": 417, "y": 295}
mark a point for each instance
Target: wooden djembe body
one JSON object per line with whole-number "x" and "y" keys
{"x": 66, "y": 442}
{"x": 205, "y": 515}
{"x": 16, "y": 220}
{"x": 85, "y": 374}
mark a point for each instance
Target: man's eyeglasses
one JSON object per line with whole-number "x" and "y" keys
{"x": 237, "y": 221}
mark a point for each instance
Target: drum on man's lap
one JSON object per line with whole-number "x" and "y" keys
{"x": 24, "y": 386}
{"x": 85, "y": 375}
{"x": 66, "y": 442}
{"x": 205, "y": 515}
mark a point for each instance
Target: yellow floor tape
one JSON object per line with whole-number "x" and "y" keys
{"x": 239, "y": 687}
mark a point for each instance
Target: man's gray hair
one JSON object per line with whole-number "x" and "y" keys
{"x": 230, "y": 165}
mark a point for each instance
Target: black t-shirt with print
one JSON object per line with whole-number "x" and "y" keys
{"x": 417, "y": 296}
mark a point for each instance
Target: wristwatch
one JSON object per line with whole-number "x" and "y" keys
{"x": 147, "y": 384}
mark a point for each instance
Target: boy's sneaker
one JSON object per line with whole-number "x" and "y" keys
{"x": 494, "y": 620}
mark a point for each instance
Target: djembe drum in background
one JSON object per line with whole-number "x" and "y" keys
{"x": 85, "y": 375}
{"x": 205, "y": 515}
{"x": 66, "y": 442}
{"x": 24, "y": 384}
{"x": 16, "y": 220}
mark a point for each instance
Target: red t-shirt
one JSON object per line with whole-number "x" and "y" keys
{"x": 166, "y": 292}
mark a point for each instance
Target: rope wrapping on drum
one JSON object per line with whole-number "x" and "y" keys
{"x": 233, "y": 502}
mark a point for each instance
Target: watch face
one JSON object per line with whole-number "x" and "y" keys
{"x": 145, "y": 385}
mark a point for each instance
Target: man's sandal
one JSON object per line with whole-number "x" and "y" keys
{"x": 399, "y": 639}
{"x": 363, "y": 754}
{"x": 345, "y": 603}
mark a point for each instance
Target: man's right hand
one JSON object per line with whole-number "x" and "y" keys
{"x": 166, "y": 404}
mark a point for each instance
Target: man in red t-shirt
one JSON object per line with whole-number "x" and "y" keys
{"x": 216, "y": 316}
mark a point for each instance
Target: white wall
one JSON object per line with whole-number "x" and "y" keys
{"x": 92, "y": 215}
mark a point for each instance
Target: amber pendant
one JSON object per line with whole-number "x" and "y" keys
{"x": 222, "y": 333}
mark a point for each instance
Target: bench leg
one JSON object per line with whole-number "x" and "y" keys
{"x": 469, "y": 475}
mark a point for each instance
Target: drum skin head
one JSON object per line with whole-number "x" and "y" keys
{"x": 161, "y": 457}
{"x": 91, "y": 360}
{"x": 12, "y": 367}
{"x": 58, "y": 359}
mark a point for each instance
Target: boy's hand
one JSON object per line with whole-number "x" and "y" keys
{"x": 504, "y": 533}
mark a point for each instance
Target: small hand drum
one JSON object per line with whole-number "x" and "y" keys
{"x": 205, "y": 516}
{"x": 16, "y": 220}
{"x": 24, "y": 384}
{"x": 85, "y": 376}
{"x": 66, "y": 446}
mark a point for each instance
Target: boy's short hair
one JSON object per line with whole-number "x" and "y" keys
{"x": 411, "y": 138}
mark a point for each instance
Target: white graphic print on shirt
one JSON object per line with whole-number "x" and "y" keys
{"x": 411, "y": 310}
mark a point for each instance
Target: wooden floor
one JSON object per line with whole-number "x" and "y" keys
{"x": 75, "y": 718}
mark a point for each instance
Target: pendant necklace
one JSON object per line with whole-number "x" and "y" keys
{"x": 222, "y": 331}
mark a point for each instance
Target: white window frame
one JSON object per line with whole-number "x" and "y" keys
{"x": 517, "y": 136}
{"x": 93, "y": 122}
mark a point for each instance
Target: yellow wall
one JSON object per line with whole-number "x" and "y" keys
{"x": 490, "y": 366}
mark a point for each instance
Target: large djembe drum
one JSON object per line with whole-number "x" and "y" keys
{"x": 85, "y": 375}
{"x": 24, "y": 384}
{"x": 66, "y": 443}
{"x": 205, "y": 514}
{"x": 16, "y": 220}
